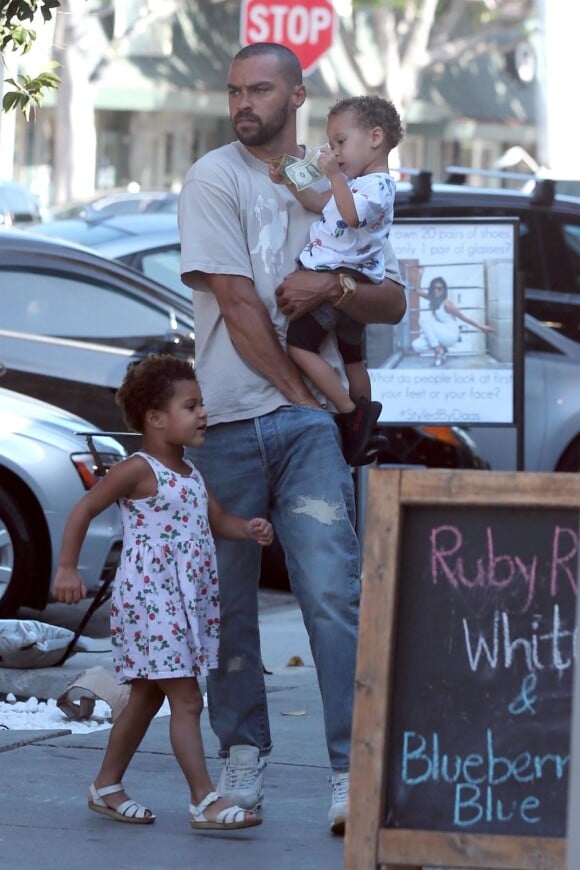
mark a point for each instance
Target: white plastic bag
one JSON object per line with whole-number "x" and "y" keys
{"x": 78, "y": 699}
{"x": 27, "y": 643}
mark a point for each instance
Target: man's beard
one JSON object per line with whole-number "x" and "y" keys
{"x": 261, "y": 133}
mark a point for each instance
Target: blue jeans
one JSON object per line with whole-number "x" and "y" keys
{"x": 287, "y": 465}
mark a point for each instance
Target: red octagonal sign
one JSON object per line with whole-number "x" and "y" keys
{"x": 307, "y": 27}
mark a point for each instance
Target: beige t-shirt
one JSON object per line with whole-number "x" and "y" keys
{"x": 234, "y": 221}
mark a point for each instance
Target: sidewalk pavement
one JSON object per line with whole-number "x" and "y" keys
{"x": 45, "y": 822}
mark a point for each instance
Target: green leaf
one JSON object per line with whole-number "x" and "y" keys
{"x": 29, "y": 93}
{"x": 47, "y": 7}
{"x": 47, "y": 80}
{"x": 10, "y": 101}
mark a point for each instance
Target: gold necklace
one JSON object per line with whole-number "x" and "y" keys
{"x": 277, "y": 160}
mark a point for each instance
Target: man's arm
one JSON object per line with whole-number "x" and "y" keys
{"x": 303, "y": 290}
{"x": 253, "y": 335}
{"x": 386, "y": 302}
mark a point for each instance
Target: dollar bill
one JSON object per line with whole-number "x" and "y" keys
{"x": 304, "y": 173}
{"x": 287, "y": 160}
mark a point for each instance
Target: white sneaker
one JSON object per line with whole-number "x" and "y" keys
{"x": 339, "y": 806}
{"x": 242, "y": 778}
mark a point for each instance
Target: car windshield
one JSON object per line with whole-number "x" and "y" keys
{"x": 17, "y": 200}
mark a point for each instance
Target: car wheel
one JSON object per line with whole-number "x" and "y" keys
{"x": 570, "y": 461}
{"x": 16, "y": 555}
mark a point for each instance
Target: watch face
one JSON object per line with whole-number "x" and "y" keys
{"x": 348, "y": 283}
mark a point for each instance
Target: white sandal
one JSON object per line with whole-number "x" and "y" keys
{"x": 129, "y": 811}
{"x": 231, "y": 818}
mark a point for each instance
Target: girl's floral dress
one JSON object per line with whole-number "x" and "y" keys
{"x": 165, "y": 614}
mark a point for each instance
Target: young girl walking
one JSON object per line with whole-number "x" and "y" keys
{"x": 165, "y": 604}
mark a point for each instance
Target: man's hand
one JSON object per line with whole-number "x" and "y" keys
{"x": 276, "y": 176}
{"x": 303, "y": 290}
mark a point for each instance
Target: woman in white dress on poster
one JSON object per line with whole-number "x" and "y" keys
{"x": 439, "y": 324}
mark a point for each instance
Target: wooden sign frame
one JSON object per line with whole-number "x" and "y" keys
{"x": 368, "y": 843}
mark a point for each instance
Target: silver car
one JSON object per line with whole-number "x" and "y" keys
{"x": 147, "y": 242}
{"x": 45, "y": 468}
{"x": 72, "y": 321}
{"x": 119, "y": 202}
{"x": 551, "y": 406}
{"x": 18, "y": 206}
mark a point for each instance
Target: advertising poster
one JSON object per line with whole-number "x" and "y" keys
{"x": 452, "y": 359}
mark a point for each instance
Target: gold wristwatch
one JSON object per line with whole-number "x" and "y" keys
{"x": 348, "y": 287}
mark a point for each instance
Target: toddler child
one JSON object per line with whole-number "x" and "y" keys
{"x": 349, "y": 238}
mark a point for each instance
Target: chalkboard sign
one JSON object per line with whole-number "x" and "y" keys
{"x": 461, "y": 734}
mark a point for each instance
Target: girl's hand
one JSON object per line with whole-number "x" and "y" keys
{"x": 68, "y": 587}
{"x": 260, "y": 530}
{"x": 487, "y": 329}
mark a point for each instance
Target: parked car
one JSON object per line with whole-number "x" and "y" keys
{"x": 119, "y": 202}
{"x": 552, "y": 387}
{"x": 551, "y": 406}
{"x": 45, "y": 467}
{"x": 549, "y": 236}
{"x": 146, "y": 242}
{"x": 18, "y": 205}
{"x": 72, "y": 321}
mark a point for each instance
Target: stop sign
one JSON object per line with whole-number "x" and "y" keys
{"x": 307, "y": 27}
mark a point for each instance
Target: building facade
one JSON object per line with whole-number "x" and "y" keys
{"x": 157, "y": 85}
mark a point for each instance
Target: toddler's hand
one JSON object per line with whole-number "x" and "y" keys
{"x": 327, "y": 163}
{"x": 68, "y": 587}
{"x": 261, "y": 530}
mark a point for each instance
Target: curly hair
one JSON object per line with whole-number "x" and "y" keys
{"x": 150, "y": 383}
{"x": 373, "y": 112}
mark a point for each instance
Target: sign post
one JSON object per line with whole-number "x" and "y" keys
{"x": 307, "y": 28}
{"x": 461, "y": 730}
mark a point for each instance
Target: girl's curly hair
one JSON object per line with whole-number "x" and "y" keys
{"x": 372, "y": 112}
{"x": 150, "y": 383}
